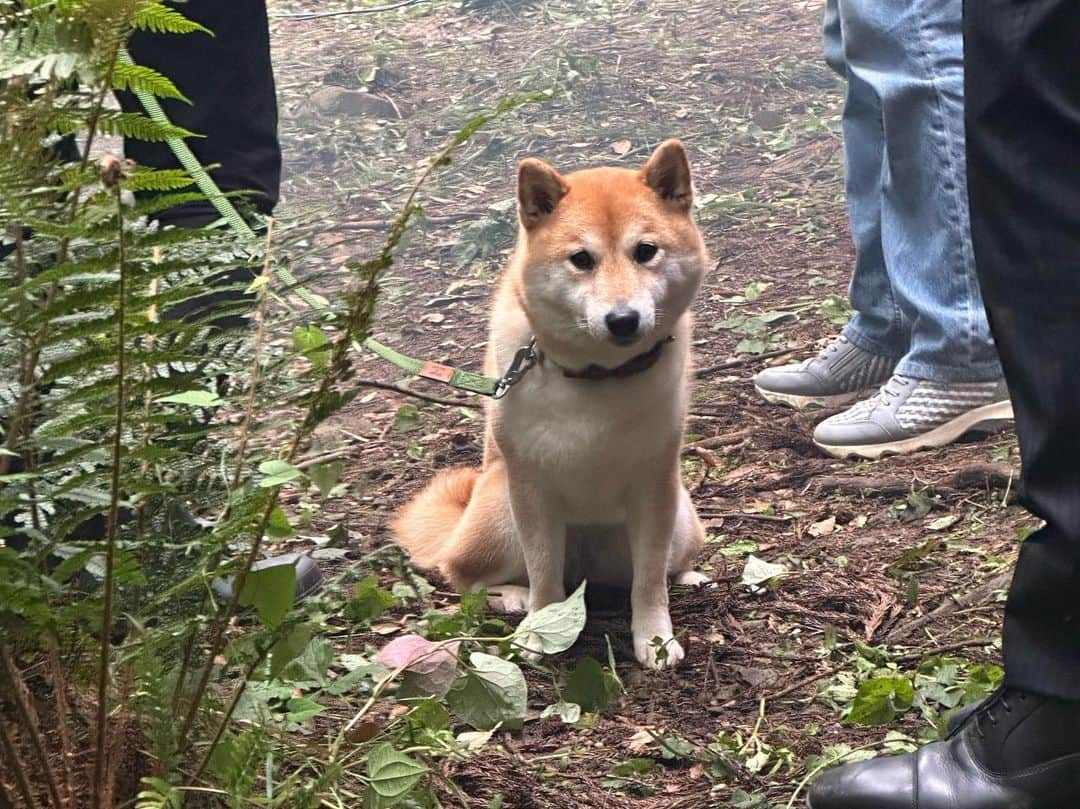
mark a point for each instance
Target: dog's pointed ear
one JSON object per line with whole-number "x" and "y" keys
{"x": 668, "y": 174}
{"x": 540, "y": 188}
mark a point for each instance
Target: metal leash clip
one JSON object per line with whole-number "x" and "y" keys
{"x": 524, "y": 359}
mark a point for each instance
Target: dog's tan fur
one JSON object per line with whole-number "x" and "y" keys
{"x": 580, "y": 478}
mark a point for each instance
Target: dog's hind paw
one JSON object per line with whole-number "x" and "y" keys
{"x": 691, "y": 578}
{"x": 508, "y": 598}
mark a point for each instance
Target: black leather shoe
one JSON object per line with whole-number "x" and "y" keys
{"x": 1017, "y": 750}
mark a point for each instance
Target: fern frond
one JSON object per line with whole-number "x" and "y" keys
{"x": 142, "y": 78}
{"x": 164, "y": 20}
{"x": 159, "y": 180}
{"x": 46, "y": 46}
{"x": 126, "y": 124}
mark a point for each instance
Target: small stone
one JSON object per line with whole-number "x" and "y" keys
{"x": 331, "y": 100}
{"x": 769, "y": 119}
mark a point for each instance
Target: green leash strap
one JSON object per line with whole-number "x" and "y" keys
{"x": 456, "y": 378}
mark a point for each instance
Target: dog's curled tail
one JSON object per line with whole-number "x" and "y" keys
{"x": 425, "y": 524}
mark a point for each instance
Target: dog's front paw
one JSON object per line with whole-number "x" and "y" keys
{"x": 532, "y": 648}
{"x": 658, "y": 651}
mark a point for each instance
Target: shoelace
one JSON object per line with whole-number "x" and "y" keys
{"x": 866, "y": 406}
{"x": 893, "y": 393}
{"x": 826, "y": 352}
{"x": 988, "y": 711}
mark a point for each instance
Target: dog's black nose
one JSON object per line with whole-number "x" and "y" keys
{"x": 622, "y": 322}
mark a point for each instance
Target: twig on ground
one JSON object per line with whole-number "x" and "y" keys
{"x": 427, "y": 397}
{"x": 739, "y": 515}
{"x": 315, "y": 15}
{"x": 916, "y": 656}
{"x": 710, "y": 462}
{"x": 739, "y": 362}
{"x": 725, "y": 440}
{"x": 981, "y": 474}
{"x": 977, "y": 596}
{"x": 821, "y": 675}
{"x": 965, "y": 478}
{"x": 859, "y": 484}
{"x": 326, "y": 457}
{"x": 380, "y": 224}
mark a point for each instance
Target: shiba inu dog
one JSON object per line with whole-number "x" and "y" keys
{"x": 581, "y": 470}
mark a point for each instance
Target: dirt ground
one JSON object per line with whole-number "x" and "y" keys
{"x": 742, "y": 82}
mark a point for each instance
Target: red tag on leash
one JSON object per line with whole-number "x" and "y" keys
{"x": 437, "y": 372}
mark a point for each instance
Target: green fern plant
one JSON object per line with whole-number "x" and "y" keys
{"x": 117, "y": 421}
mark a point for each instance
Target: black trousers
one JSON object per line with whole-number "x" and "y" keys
{"x": 230, "y": 81}
{"x": 1023, "y": 142}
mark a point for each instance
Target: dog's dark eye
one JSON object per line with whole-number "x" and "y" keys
{"x": 583, "y": 260}
{"x": 645, "y": 252}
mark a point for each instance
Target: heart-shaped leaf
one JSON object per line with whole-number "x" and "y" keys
{"x": 391, "y": 775}
{"x": 880, "y": 700}
{"x": 492, "y": 692}
{"x": 757, "y": 571}
{"x": 325, "y": 476}
{"x": 277, "y": 473}
{"x": 430, "y": 670}
{"x": 557, "y": 626}
{"x": 591, "y": 686}
{"x": 194, "y": 398}
{"x": 271, "y": 591}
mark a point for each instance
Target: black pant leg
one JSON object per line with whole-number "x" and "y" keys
{"x": 230, "y": 81}
{"x": 1023, "y": 125}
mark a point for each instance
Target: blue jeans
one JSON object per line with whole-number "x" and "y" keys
{"x": 914, "y": 289}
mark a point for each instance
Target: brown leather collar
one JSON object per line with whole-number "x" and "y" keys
{"x": 635, "y": 365}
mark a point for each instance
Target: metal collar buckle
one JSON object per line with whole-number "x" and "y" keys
{"x": 524, "y": 359}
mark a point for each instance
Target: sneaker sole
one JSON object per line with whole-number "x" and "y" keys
{"x": 813, "y": 402}
{"x": 987, "y": 418}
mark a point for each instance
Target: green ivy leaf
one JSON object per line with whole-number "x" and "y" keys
{"x": 634, "y": 766}
{"x": 301, "y": 709}
{"x": 277, "y": 473}
{"x": 325, "y": 476}
{"x": 429, "y": 714}
{"x": 308, "y": 670}
{"x": 313, "y": 344}
{"x": 755, "y": 289}
{"x": 278, "y": 526}
{"x": 194, "y": 398}
{"x": 271, "y": 591}
{"x": 880, "y": 700}
{"x": 368, "y": 601}
{"x": 406, "y": 419}
{"x": 837, "y": 309}
{"x": 492, "y": 692}
{"x": 288, "y": 649}
{"x": 568, "y": 712}
{"x": 557, "y": 626}
{"x": 837, "y": 754}
{"x": 982, "y": 680}
{"x": 591, "y": 686}
{"x": 391, "y": 776}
